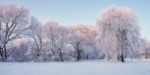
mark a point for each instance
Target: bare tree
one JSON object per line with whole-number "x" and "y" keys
{"x": 77, "y": 41}
{"x": 56, "y": 35}
{"x": 83, "y": 40}
{"x": 13, "y": 21}
{"x": 36, "y": 34}
{"x": 51, "y": 36}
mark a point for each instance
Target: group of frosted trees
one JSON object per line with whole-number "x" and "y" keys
{"x": 115, "y": 36}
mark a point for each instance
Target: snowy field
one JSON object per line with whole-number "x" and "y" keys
{"x": 76, "y": 68}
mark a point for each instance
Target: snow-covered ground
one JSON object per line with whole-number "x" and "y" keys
{"x": 76, "y": 68}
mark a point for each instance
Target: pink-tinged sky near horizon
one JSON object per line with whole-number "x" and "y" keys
{"x": 69, "y": 12}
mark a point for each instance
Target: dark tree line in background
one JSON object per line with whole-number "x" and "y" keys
{"x": 115, "y": 36}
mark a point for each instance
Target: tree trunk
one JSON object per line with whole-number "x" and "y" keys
{"x": 3, "y": 53}
{"x": 78, "y": 55}
{"x": 122, "y": 58}
{"x": 61, "y": 55}
{"x": 36, "y": 55}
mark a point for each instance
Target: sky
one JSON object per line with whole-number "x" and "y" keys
{"x": 68, "y": 12}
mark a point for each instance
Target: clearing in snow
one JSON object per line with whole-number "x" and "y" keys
{"x": 76, "y": 68}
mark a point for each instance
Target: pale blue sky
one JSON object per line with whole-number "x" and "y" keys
{"x": 69, "y": 12}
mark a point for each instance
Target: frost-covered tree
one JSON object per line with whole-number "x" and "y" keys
{"x": 13, "y": 21}
{"x": 119, "y": 32}
{"x": 83, "y": 42}
{"x": 76, "y": 42}
{"x": 56, "y": 37}
{"x": 35, "y": 34}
